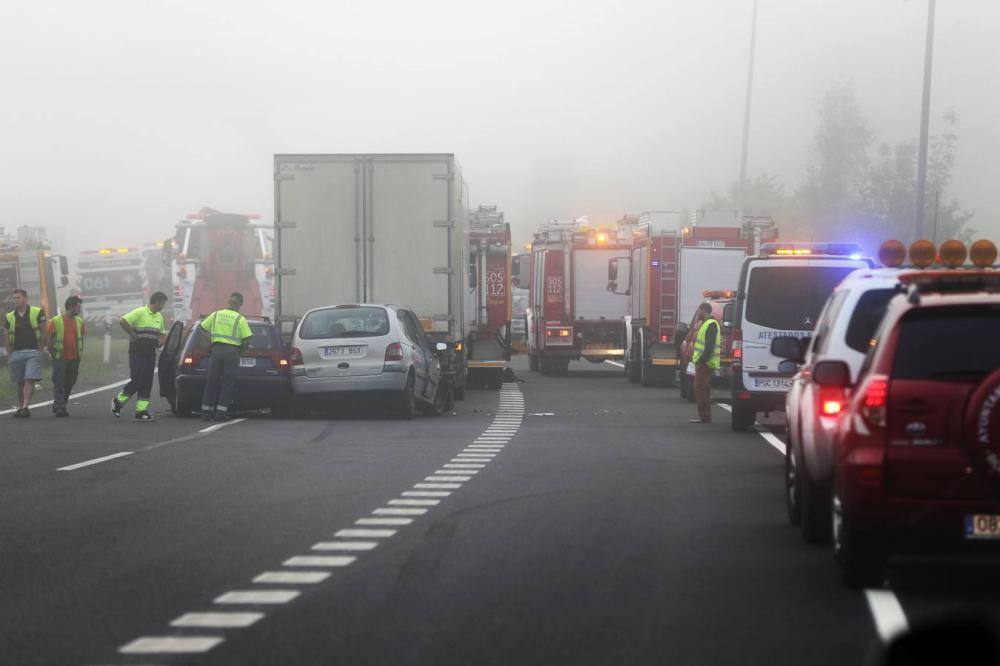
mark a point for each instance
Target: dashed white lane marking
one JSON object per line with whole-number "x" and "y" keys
{"x": 434, "y": 479}
{"x": 216, "y": 620}
{"x": 438, "y": 486}
{"x": 364, "y": 534}
{"x": 383, "y": 521}
{"x": 458, "y": 471}
{"x": 319, "y": 561}
{"x": 616, "y": 363}
{"x": 426, "y": 493}
{"x": 451, "y": 467}
{"x": 257, "y": 597}
{"x": 217, "y": 426}
{"x": 95, "y": 461}
{"x": 81, "y": 394}
{"x": 399, "y": 512}
{"x": 890, "y": 620}
{"x": 292, "y": 577}
{"x": 345, "y": 545}
{"x": 170, "y": 645}
{"x": 414, "y": 502}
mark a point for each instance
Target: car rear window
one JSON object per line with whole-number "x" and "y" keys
{"x": 866, "y": 317}
{"x": 948, "y": 344}
{"x": 363, "y": 322}
{"x": 790, "y": 298}
{"x": 263, "y": 338}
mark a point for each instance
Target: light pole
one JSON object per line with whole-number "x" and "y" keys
{"x": 924, "y": 120}
{"x": 746, "y": 110}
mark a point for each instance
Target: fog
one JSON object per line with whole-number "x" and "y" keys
{"x": 118, "y": 118}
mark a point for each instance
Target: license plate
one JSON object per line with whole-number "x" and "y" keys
{"x": 248, "y": 362}
{"x": 346, "y": 350}
{"x": 982, "y": 526}
{"x": 772, "y": 383}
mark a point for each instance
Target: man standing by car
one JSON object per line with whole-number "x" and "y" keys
{"x": 26, "y": 342}
{"x": 707, "y": 359}
{"x": 229, "y": 333}
{"x": 65, "y": 334}
{"x": 146, "y": 332}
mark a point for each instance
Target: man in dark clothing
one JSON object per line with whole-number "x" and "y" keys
{"x": 707, "y": 359}
{"x": 26, "y": 342}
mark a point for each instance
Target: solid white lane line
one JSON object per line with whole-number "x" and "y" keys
{"x": 345, "y": 545}
{"x": 292, "y": 577}
{"x": 95, "y": 461}
{"x": 216, "y": 620}
{"x": 364, "y": 534}
{"x": 438, "y": 486}
{"x": 383, "y": 521}
{"x": 257, "y": 597}
{"x": 425, "y": 493}
{"x": 170, "y": 645}
{"x": 616, "y": 363}
{"x": 81, "y": 394}
{"x": 414, "y": 502}
{"x": 727, "y": 407}
{"x": 399, "y": 512}
{"x": 890, "y": 620}
{"x": 319, "y": 561}
{"x": 217, "y": 426}
{"x": 773, "y": 440}
{"x": 434, "y": 479}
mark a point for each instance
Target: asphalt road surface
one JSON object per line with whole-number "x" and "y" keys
{"x": 561, "y": 520}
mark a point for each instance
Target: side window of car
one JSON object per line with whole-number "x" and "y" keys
{"x": 826, "y": 321}
{"x": 407, "y": 318}
{"x": 419, "y": 329}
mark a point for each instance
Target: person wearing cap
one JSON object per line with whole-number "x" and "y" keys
{"x": 229, "y": 333}
{"x": 146, "y": 331}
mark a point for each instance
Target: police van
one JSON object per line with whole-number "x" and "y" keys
{"x": 781, "y": 293}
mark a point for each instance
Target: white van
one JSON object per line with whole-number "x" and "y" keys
{"x": 781, "y": 293}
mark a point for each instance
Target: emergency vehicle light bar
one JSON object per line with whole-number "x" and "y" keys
{"x": 716, "y": 293}
{"x": 852, "y": 250}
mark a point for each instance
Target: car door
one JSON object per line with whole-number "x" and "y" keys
{"x": 169, "y": 357}
{"x": 411, "y": 338}
{"x": 433, "y": 364}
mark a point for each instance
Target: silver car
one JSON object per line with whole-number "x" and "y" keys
{"x": 345, "y": 350}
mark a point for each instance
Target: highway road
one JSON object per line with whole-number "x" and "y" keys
{"x": 561, "y": 520}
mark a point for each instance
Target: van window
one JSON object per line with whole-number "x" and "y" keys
{"x": 866, "y": 316}
{"x": 789, "y": 298}
{"x": 948, "y": 344}
{"x": 334, "y": 323}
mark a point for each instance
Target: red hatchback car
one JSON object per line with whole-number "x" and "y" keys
{"x": 917, "y": 458}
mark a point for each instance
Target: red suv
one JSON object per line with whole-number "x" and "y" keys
{"x": 917, "y": 457}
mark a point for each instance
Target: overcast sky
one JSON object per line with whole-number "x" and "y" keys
{"x": 117, "y": 118}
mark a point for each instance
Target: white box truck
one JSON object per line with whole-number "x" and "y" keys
{"x": 375, "y": 228}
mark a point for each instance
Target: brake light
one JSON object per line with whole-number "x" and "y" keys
{"x": 831, "y": 400}
{"x": 295, "y": 356}
{"x": 282, "y": 362}
{"x": 737, "y": 345}
{"x": 188, "y": 360}
{"x": 394, "y": 352}
{"x": 876, "y": 401}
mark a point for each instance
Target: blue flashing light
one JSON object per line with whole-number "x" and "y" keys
{"x": 655, "y": 263}
{"x": 856, "y": 256}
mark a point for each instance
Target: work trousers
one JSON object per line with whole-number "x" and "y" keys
{"x": 703, "y": 391}
{"x": 64, "y": 374}
{"x": 141, "y": 368}
{"x": 222, "y": 367}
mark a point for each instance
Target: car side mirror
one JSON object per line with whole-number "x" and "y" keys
{"x": 441, "y": 346}
{"x": 834, "y": 374}
{"x": 787, "y": 347}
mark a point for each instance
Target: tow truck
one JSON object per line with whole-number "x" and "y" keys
{"x": 112, "y": 282}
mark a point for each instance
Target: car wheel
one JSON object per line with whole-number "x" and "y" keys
{"x": 743, "y": 416}
{"x": 443, "y": 401}
{"x": 793, "y": 490}
{"x": 860, "y": 558}
{"x": 406, "y": 402}
{"x": 814, "y": 507}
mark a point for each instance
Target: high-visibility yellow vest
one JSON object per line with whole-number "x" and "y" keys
{"x": 227, "y": 327}
{"x": 715, "y": 360}
{"x": 57, "y": 343}
{"x": 34, "y": 312}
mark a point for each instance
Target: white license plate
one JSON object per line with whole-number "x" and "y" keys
{"x": 248, "y": 362}
{"x": 346, "y": 350}
{"x": 782, "y": 383}
{"x": 982, "y": 526}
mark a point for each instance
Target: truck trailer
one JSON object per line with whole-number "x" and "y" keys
{"x": 375, "y": 228}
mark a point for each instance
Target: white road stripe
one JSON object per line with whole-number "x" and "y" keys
{"x": 257, "y": 597}
{"x": 728, "y": 408}
{"x": 451, "y": 467}
{"x": 773, "y": 440}
{"x": 81, "y": 394}
{"x": 399, "y": 512}
{"x": 170, "y": 645}
{"x": 319, "y": 561}
{"x": 438, "y": 486}
{"x": 383, "y": 521}
{"x": 414, "y": 502}
{"x": 475, "y": 456}
{"x": 95, "y": 461}
{"x": 364, "y": 534}
{"x": 457, "y": 471}
{"x": 345, "y": 545}
{"x": 216, "y": 620}
{"x": 616, "y": 363}
{"x": 213, "y": 428}
{"x": 292, "y": 577}
{"x": 426, "y": 493}
{"x": 435, "y": 479}
{"x": 484, "y": 447}
{"x": 890, "y": 620}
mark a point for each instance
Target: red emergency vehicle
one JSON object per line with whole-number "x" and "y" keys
{"x": 571, "y": 313}
{"x": 489, "y": 343}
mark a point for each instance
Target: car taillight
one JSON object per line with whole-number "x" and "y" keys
{"x": 188, "y": 360}
{"x": 295, "y": 356}
{"x": 876, "y": 399}
{"x": 394, "y": 352}
{"x": 831, "y": 400}
{"x": 737, "y": 345}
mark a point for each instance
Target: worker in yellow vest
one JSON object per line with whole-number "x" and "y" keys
{"x": 707, "y": 359}
{"x": 66, "y": 333}
{"x": 229, "y": 333}
{"x": 146, "y": 331}
{"x": 26, "y": 344}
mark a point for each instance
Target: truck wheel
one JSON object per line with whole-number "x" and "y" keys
{"x": 860, "y": 556}
{"x": 743, "y": 416}
{"x": 532, "y": 362}
{"x": 647, "y": 373}
{"x": 443, "y": 401}
{"x": 633, "y": 371}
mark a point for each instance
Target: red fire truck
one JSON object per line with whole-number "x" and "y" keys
{"x": 571, "y": 313}
{"x": 489, "y": 308}
{"x": 664, "y": 272}
{"x": 214, "y": 254}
